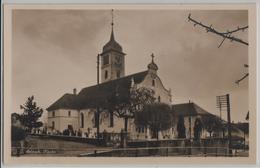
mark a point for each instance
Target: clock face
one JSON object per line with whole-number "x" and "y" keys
{"x": 118, "y": 60}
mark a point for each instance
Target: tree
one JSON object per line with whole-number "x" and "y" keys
{"x": 15, "y": 119}
{"x": 17, "y": 131}
{"x": 127, "y": 104}
{"x": 157, "y": 116}
{"x": 197, "y": 128}
{"x": 181, "y": 127}
{"x": 31, "y": 114}
{"x": 212, "y": 123}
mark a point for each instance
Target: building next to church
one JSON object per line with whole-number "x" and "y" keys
{"x": 76, "y": 111}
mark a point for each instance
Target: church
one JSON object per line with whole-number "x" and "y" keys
{"x": 75, "y": 110}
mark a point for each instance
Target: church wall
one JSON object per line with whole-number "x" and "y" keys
{"x": 187, "y": 125}
{"x": 62, "y": 119}
{"x": 89, "y": 123}
{"x": 158, "y": 87}
{"x": 105, "y": 123}
{"x": 138, "y": 132}
{"x": 160, "y": 91}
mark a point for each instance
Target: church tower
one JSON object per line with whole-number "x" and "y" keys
{"x": 112, "y": 59}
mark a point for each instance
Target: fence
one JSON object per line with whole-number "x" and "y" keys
{"x": 162, "y": 151}
{"x": 93, "y": 141}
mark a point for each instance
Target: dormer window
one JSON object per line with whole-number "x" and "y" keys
{"x": 105, "y": 59}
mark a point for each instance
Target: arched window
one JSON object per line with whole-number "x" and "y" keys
{"x": 53, "y": 125}
{"x": 111, "y": 119}
{"x": 69, "y": 113}
{"x": 118, "y": 74}
{"x": 106, "y": 74}
{"x": 82, "y": 120}
{"x": 153, "y": 82}
{"x": 53, "y": 113}
{"x": 159, "y": 99}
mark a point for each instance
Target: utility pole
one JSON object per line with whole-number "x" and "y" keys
{"x": 229, "y": 124}
{"x": 190, "y": 127}
{"x": 190, "y": 119}
{"x": 97, "y": 112}
{"x": 223, "y": 101}
{"x": 98, "y": 63}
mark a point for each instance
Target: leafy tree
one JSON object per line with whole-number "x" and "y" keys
{"x": 212, "y": 123}
{"x": 31, "y": 114}
{"x": 157, "y": 116}
{"x": 17, "y": 133}
{"x": 15, "y": 119}
{"x": 181, "y": 127}
{"x": 127, "y": 105}
{"x": 197, "y": 128}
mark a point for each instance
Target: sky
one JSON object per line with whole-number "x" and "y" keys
{"x": 54, "y": 51}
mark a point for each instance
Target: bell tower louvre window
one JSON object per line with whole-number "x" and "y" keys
{"x": 105, "y": 59}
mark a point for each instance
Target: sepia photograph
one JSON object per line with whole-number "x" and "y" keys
{"x": 110, "y": 82}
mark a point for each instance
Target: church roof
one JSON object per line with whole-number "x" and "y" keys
{"x": 67, "y": 101}
{"x": 89, "y": 96}
{"x": 187, "y": 109}
{"x": 112, "y": 44}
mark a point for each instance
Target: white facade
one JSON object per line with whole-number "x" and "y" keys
{"x": 60, "y": 119}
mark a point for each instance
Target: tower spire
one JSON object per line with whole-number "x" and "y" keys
{"x": 152, "y": 66}
{"x": 112, "y": 25}
{"x": 152, "y": 57}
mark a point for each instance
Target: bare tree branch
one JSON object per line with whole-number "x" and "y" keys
{"x": 239, "y": 80}
{"x": 225, "y": 35}
{"x": 245, "y": 76}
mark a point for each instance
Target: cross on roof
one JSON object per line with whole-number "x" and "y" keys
{"x": 112, "y": 15}
{"x": 152, "y": 56}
